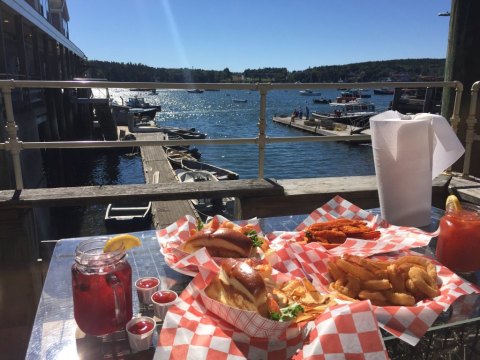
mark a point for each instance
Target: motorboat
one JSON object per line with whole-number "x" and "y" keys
{"x": 220, "y": 173}
{"x": 128, "y": 216}
{"x": 308, "y": 92}
{"x": 355, "y": 112}
{"x": 322, "y": 101}
{"x": 383, "y": 91}
{"x": 139, "y": 102}
{"x": 182, "y": 133}
{"x": 208, "y": 206}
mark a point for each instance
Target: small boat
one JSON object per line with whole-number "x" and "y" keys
{"x": 195, "y": 91}
{"x": 141, "y": 112}
{"x": 322, "y": 101}
{"x": 139, "y": 102}
{"x": 239, "y": 100}
{"x": 383, "y": 91}
{"x": 308, "y": 92}
{"x": 220, "y": 173}
{"x": 182, "y": 133}
{"x": 186, "y": 149}
{"x": 175, "y": 157}
{"x": 207, "y": 206}
{"x": 131, "y": 216}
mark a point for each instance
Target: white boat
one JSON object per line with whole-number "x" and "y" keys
{"x": 355, "y": 112}
{"x": 214, "y": 205}
{"x": 308, "y": 92}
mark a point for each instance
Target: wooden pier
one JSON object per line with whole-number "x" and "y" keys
{"x": 325, "y": 128}
{"x": 157, "y": 169}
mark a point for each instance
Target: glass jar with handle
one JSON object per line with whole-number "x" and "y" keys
{"x": 102, "y": 288}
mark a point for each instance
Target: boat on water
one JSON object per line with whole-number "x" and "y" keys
{"x": 309, "y": 92}
{"x": 182, "y": 133}
{"x": 139, "y": 102}
{"x": 206, "y": 206}
{"x": 322, "y": 101}
{"x": 175, "y": 157}
{"x": 220, "y": 173}
{"x": 355, "y": 112}
{"x": 195, "y": 91}
{"x": 185, "y": 149}
{"x": 383, "y": 91}
{"x": 239, "y": 100}
{"x": 128, "y": 216}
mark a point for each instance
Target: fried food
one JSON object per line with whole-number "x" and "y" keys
{"x": 401, "y": 282}
{"x": 334, "y": 232}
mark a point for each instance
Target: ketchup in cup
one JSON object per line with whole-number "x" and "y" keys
{"x": 458, "y": 245}
{"x": 162, "y": 300}
{"x": 140, "y": 333}
{"x": 145, "y": 288}
{"x": 140, "y": 327}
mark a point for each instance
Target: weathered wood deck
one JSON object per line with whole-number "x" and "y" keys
{"x": 314, "y": 127}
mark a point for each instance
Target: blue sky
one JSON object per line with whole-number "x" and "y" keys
{"x": 295, "y": 34}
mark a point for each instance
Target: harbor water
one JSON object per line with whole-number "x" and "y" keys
{"x": 219, "y": 116}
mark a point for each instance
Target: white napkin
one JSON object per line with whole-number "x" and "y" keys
{"x": 409, "y": 152}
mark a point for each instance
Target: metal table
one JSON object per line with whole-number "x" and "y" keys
{"x": 55, "y": 334}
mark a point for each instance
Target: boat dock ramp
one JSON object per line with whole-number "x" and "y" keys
{"x": 322, "y": 127}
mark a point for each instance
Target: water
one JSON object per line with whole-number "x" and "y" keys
{"x": 215, "y": 113}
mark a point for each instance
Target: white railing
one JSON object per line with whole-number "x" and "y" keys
{"x": 14, "y": 146}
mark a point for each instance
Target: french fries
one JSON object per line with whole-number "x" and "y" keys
{"x": 334, "y": 232}
{"x": 400, "y": 282}
{"x": 303, "y": 293}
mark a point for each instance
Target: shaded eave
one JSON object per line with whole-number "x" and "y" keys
{"x": 29, "y": 13}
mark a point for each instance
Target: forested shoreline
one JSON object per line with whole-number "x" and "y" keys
{"x": 395, "y": 70}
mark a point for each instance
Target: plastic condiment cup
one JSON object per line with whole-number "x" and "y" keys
{"x": 140, "y": 333}
{"x": 146, "y": 286}
{"x": 162, "y": 300}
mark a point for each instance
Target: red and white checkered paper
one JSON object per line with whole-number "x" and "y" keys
{"x": 392, "y": 238}
{"x": 407, "y": 323}
{"x": 348, "y": 331}
{"x": 171, "y": 237}
{"x": 197, "y": 327}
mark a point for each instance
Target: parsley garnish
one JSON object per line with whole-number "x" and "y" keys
{"x": 288, "y": 313}
{"x": 199, "y": 225}
{"x": 252, "y": 234}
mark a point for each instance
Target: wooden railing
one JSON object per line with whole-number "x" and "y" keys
{"x": 14, "y": 146}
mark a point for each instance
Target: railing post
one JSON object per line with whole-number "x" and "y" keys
{"x": 13, "y": 145}
{"x": 470, "y": 133}
{"x": 262, "y": 129}
{"x": 455, "y": 118}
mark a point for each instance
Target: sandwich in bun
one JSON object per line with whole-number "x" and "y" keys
{"x": 223, "y": 242}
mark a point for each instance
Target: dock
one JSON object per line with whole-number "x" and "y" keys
{"x": 321, "y": 127}
{"x": 157, "y": 170}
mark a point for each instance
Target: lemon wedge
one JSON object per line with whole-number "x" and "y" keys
{"x": 452, "y": 203}
{"x": 125, "y": 241}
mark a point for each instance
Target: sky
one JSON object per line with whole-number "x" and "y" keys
{"x": 253, "y": 34}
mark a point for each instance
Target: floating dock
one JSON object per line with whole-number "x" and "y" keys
{"x": 325, "y": 128}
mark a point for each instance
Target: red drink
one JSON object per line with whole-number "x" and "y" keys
{"x": 102, "y": 290}
{"x": 141, "y": 327}
{"x": 163, "y": 297}
{"x": 147, "y": 283}
{"x": 458, "y": 245}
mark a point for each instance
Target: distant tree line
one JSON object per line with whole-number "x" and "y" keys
{"x": 396, "y": 70}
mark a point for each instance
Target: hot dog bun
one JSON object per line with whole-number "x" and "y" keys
{"x": 222, "y": 242}
{"x": 239, "y": 285}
